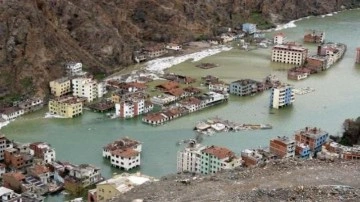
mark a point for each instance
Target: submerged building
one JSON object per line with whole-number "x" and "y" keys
{"x": 281, "y": 96}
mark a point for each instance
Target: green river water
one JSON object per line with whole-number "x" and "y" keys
{"x": 337, "y": 96}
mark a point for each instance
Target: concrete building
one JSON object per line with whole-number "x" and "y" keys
{"x": 132, "y": 107}
{"x": 281, "y": 96}
{"x": 43, "y": 151}
{"x": 18, "y": 158}
{"x": 123, "y": 153}
{"x": 334, "y": 51}
{"x": 243, "y": 87}
{"x": 188, "y": 160}
{"x": 116, "y": 186}
{"x": 60, "y": 87}
{"x": 8, "y": 195}
{"x": 88, "y": 88}
{"x": 31, "y": 105}
{"x": 173, "y": 46}
{"x": 40, "y": 172}
{"x": 11, "y": 113}
{"x": 219, "y": 86}
{"x": 279, "y": 38}
{"x": 289, "y": 53}
{"x": 249, "y": 28}
{"x": 80, "y": 177}
{"x": 67, "y": 107}
{"x": 74, "y": 69}
{"x": 313, "y": 137}
{"x": 214, "y": 159}
{"x": 283, "y": 147}
{"x": 4, "y": 144}
{"x": 2, "y": 169}
{"x": 314, "y": 36}
{"x": 357, "y": 55}
{"x": 302, "y": 150}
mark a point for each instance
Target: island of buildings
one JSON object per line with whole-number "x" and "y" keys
{"x": 123, "y": 153}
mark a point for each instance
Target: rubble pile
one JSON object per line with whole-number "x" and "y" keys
{"x": 286, "y": 179}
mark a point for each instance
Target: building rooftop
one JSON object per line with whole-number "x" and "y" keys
{"x": 245, "y": 81}
{"x": 311, "y": 132}
{"x": 168, "y": 85}
{"x": 126, "y": 181}
{"x": 290, "y": 47}
{"x": 219, "y": 152}
{"x": 9, "y": 110}
{"x": 17, "y": 175}
{"x": 284, "y": 139}
{"x": 126, "y": 153}
{"x": 4, "y": 190}
{"x": 175, "y": 92}
{"x": 69, "y": 100}
{"x": 62, "y": 80}
{"x": 122, "y": 143}
{"x": 154, "y": 116}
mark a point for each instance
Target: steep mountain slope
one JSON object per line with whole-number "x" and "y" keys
{"x": 38, "y": 36}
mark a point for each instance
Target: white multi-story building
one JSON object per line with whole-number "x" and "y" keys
{"x": 132, "y": 107}
{"x": 188, "y": 160}
{"x": 4, "y": 144}
{"x": 74, "y": 69}
{"x": 88, "y": 88}
{"x": 289, "y": 53}
{"x": 11, "y": 113}
{"x": 88, "y": 174}
{"x": 125, "y": 158}
{"x": 8, "y": 195}
{"x": 163, "y": 99}
{"x": 123, "y": 153}
{"x": 219, "y": 86}
{"x": 173, "y": 46}
{"x": 101, "y": 89}
{"x": 43, "y": 151}
{"x": 279, "y": 38}
{"x": 282, "y": 96}
{"x": 213, "y": 97}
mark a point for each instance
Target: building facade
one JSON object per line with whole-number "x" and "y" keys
{"x": 315, "y": 138}
{"x": 282, "y": 96}
{"x": 214, "y": 159}
{"x": 60, "y": 87}
{"x": 123, "y": 153}
{"x": 283, "y": 147}
{"x": 88, "y": 88}
{"x": 74, "y": 69}
{"x": 67, "y": 107}
{"x": 11, "y": 113}
{"x": 279, "y": 38}
{"x": 188, "y": 160}
{"x": 132, "y": 107}
{"x": 4, "y": 144}
{"x": 43, "y": 151}
{"x": 289, "y": 53}
{"x": 243, "y": 87}
{"x": 8, "y": 195}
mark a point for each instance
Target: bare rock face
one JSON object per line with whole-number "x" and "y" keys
{"x": 37, "y": 37}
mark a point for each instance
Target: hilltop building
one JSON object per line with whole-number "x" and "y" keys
{"x": 60, "y": 87}
{"x": 188, "y": 160}
{"x": 88, "y": 88}
{"x": 313, "y": 137}
{"x": 283, "y": 147}
{"x": 117, "y": 186}
{"x": 281, "y": 96}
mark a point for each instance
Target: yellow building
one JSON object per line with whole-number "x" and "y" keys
{"x": 116, "y": 186}
{"x": 115, "y": 97}
{"x": 67, "y": 107}
{"x": 60, "y": 86}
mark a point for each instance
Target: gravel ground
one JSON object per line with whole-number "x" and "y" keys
{"x": 281, "y": 180}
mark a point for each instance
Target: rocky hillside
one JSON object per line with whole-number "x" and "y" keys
{"x": 38, "y": 36}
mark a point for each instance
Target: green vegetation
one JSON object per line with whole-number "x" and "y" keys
{"x": 351, "y": 134}
{"x": 255, "y": 17}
